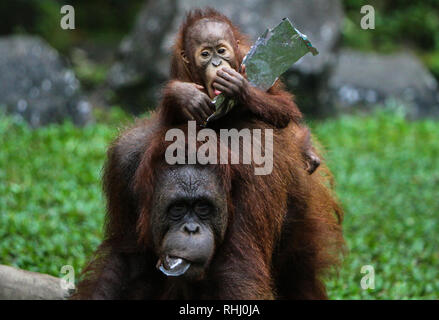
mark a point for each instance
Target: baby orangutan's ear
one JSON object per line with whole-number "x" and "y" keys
{"x": 184, "y": 57}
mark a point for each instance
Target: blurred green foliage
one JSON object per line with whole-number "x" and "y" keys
{"x": 51, "y": 205}
{"x": 387, "y": 177}
{"x": 386, "y": 171}
{"x": 99, "y": 21}
{"x": 399, "y": 23}
{"x": 89, "y": 73}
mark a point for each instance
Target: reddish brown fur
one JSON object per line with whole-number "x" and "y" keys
{"x": 178, "y": 69}
{"x": 284, "y": 231}
{"x": 275, "y": 107}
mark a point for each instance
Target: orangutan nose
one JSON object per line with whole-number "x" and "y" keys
{"x": 216, "y": 62}
{"x": 191, "y": 228}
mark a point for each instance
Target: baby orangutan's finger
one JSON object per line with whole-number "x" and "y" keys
{"x": 222, "y": 88}
{"x": 206, "y": 108}
{"x": 243, "y": 71}
{"x": 187, "y": 114}
{"x": 228, "y": 78}
{"x": 222, "y": 81}
{"x": 210, "y": 104}
{"x": 233, "y": 73}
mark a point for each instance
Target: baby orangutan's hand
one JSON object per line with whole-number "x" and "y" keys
{"x": 231, "y": 82}
{"x": 195, "y": 104}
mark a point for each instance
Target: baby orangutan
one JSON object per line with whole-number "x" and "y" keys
{"x": 206, "y": 62}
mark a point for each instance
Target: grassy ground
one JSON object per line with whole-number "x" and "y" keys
{"x": 387, "y": 173}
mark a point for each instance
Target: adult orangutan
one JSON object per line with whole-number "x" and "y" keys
{"x": 235, "y": 235}
{"x": 207, "y": 56}
{"x": 214, "y": 231}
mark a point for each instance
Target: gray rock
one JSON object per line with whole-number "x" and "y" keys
{"x": 36, "y": 85}
{"x": 144, "y": 54}
{"x": 16, "y": 284}
{"x": 362, "y": 80}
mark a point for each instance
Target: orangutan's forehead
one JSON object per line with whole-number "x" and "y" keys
{"x": 210, "y": 32}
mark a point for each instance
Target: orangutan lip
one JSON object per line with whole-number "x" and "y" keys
{"x": 173, "y": 266}
{"x": 177, "y": 257}
{"x": 216, "y": 92}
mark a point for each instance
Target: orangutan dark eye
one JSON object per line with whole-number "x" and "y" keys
{"x": 202, "y": 209}
{"x": 205, "y": 54}
{"x": 177, "y": 211}
{"x": 221, "y": 50}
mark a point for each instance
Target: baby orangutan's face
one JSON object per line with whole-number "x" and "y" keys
{"x": 213, "y": 49}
